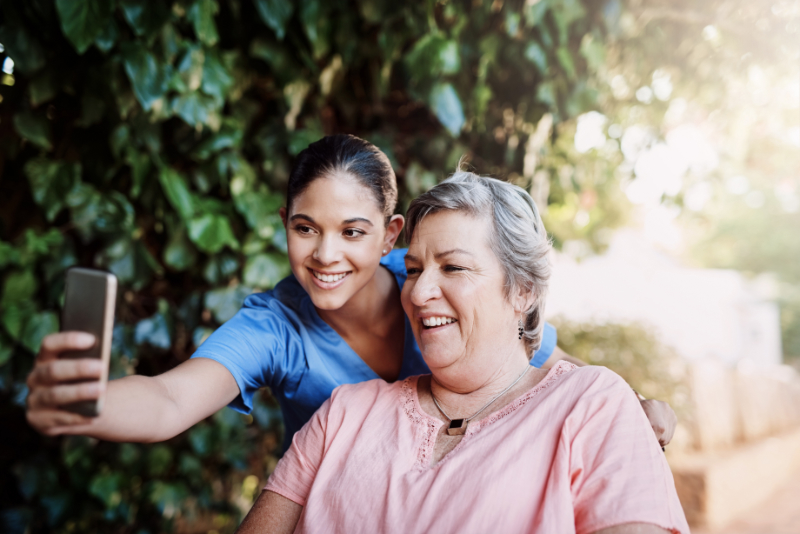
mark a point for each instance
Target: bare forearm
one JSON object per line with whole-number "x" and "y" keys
{"x": 137, "y": 409}
{"x": 149, "y": 409}
{"x": 271, "y": 514}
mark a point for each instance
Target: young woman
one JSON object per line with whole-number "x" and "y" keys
{"x": 336, "y": 320}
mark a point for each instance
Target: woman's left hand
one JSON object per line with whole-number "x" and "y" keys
{"x": 662, "y": 418}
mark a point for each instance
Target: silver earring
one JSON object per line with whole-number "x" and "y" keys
{"x": 521, "y": 329}
{"x": 384, "y": 251}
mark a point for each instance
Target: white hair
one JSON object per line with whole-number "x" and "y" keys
{"x": 518, "y": 239}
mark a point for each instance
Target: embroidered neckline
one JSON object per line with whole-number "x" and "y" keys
{"x": 431, "y": 425}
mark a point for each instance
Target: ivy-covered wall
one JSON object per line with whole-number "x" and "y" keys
{"x": 154, "y": 139}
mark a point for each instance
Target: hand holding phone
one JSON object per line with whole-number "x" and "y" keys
{"x": 89, "y": 307}
{"x": 68, "y": 382}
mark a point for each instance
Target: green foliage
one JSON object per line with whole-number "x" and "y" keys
{"x": 154, "y": 140}
{"x": 633, "y": 352}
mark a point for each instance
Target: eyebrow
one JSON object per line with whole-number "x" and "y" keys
{"x": 411, "y": 257}
{"x": 305, "y": 217}
{"x": 358, "y": 219}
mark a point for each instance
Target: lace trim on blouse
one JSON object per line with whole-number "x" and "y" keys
{"x": 429, "y": 425}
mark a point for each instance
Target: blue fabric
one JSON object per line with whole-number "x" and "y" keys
{"x": 278, "y": 340}
{"x": 549, "y": 339}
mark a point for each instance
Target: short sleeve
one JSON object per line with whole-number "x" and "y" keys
{"x": 549, "y": 340}
{"x": 296, "y": 471}
{"x": 618, "y": 472}
{"x": 256, "y": 346}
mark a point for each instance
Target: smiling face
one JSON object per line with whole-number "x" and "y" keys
{"x": 336, "y": 235}
{"x": 455, "y": 298}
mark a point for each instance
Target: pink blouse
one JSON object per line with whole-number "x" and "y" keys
{"x": 573, "y": 454}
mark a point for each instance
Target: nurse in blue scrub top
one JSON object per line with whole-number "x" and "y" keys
{"x": 336, "y": 320}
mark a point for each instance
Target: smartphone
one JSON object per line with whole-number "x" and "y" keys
{"x": 89, "y": 304}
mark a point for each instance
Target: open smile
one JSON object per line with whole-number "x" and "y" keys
{"x": 429, "y": 323}
{"x": 328, "y": 280}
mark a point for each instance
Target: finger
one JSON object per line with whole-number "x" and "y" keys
{"x": 53, "y": 396}
{"x": 47, "y": 421}
{"x": 55, "y": 371}
{"x": 55, "y": 344}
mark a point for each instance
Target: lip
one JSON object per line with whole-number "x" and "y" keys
{"x": 328, "y": 285}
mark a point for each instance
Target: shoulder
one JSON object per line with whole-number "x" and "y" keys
{"x": 596, "y": 379}
{"x": 361, "y": 398}
{"x": 370, "y": 388}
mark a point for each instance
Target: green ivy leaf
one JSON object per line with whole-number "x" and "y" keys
{"x": 316, "y": 25}
{"x": 148, "y": 77}
{"x": 260, "y": 210}
{"x": 34, "y": 127}
{"x": 9, "y": 255}
{"x": 565, "y": 58}
{"x": 50, "y": 183}
{"x": 536, "y": 55}
{"x": 225, "y": 302}
{"x": 107, "y": 487}
{"x": 447, "y": 107}
{"x": 42, "y": 87}
{"x": 24, "y": 49}
{"x": 227, "y": 137}
{"x": 196, "y": 109}
{"x": 217, "y": 81}
{"x": 265, "y": 270}
{"x": 201, "y": 439}
{"x": 275, "y": 14}
{"x": 40, "y": 325}
{"x": 19, "y": 287}
{"x": 201, "y": 15}
{"x": 159, "y": 460}
{"x": 145, "y": 16}
{"x": 82, "y": 21}
{"x": 179, "y": 252}
{"x": 153, "y": 331}
{"x": 107, "y": 37}
{"x": 177, "y": 191}
{"x": 210, "y": 232}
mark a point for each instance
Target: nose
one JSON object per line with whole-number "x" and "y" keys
{"x": 426, "y": 288}
{"x": 326, "y": 251}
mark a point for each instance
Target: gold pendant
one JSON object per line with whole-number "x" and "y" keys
{"x": 458, "y": 427}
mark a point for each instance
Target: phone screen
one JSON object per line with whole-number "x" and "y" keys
{"x": 89, "y": 307}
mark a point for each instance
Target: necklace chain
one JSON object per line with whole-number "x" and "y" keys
{"x": 473, "y": 416}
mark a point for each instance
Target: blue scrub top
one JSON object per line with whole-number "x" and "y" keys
{"x": 278, "y": 340}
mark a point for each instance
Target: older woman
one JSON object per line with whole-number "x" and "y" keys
{"x": 485, "y": 443}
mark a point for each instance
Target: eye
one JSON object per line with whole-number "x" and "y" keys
{"x": 453, "y": 268}
{"x": 303, "y": 229}
{"x": 353, "y": 232}
{"x": 413, "y": 271}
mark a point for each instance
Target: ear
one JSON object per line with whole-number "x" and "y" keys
{"x": 523, "y": 300}
{"x": 283, "y": 213}
{"x": 393, "y": 231}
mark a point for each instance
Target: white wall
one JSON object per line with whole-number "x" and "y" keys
{"x": 700, "y": 312}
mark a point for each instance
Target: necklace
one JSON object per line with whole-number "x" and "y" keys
{"x": 458, "y": 427}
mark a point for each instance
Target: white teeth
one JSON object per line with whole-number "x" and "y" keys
{"x": 329, "y": 277}
{"x": 437, "y": 321}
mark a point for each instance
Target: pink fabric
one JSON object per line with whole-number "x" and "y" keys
{"x": 573, "y": 454}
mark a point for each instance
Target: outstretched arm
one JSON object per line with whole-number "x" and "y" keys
{"x": 137, "y": 408}
{"x": 271, "y": 514}
{"x": 661, "y": 416}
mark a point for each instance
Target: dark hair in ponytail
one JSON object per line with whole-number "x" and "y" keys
{"x": 345, "y": 153}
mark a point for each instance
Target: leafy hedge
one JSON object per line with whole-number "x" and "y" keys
{"x": 154, "y": 140}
